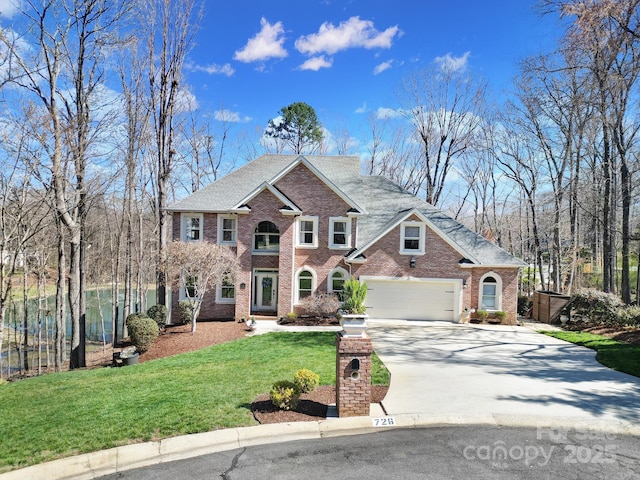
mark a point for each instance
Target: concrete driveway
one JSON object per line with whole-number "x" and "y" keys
{"x": 462, "y": 370}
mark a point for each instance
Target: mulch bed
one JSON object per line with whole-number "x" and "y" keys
{"x": 630, "y": 335}
{"x": 312, "y": 406}
{"x": 310, "y": 321}
{"x": 178, "y": 338}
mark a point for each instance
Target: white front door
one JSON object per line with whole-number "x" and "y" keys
{"x": 265, "y": 291}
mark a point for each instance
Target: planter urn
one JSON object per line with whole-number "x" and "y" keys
{"x": 132, "y": 360}
{"x": 354, "y": 325}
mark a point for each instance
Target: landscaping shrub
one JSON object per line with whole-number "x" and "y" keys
{"x": 500, "y": 315}
{"x": 319, "y": 304}
{"x": 354, "y": 294}
{"x": 285, "y": 395}
{"x": 306, "y": 380}
{"x": 186, "y": 311}
{"x": 524, "y": 304}
{"x": 598, "y": 307}
{"x": 142, "y": 331}
{"x": 133, "y": 318}
{"x": 291, "y": 317}
{"x": 482, "y": 315}
{"x": 159, "y": 314}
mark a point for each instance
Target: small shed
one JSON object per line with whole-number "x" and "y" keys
{"x": 548, "y": 306}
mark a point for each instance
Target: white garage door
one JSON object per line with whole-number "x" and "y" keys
{"x": 411, "y": 299}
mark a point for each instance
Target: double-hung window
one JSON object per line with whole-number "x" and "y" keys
{"x": 412, "y": 238}
{"x": 191, "y": 227}
{"x": 339, "y": 232}
{"x": 308, "y": 232}
{"x": 226, "y": 291}
{"x": 227, "y": 230}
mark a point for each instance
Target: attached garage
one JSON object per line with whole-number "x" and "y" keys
{"x": 413, "y": 298}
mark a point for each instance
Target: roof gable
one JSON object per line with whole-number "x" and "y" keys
{"x": 301, "y": 160}
{"x": 287, "y": 204}
{"x": 403, "y": 217}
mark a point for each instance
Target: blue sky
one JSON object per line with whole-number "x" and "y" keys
{"x": 347, "y": 58}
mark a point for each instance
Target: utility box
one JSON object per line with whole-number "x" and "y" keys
{"x": 353, "y": 374}
{"x": 548, "y": 306}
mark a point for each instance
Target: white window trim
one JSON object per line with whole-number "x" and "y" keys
{"x": 347, "y": 233}
{"x": 345, "y": 274}
{"x": 183, "y": 225}
{"x": 299, "y": 221}
{"x": 314, "y": 282}
{"x": 421, "y": 240}
{"x": 498, "y": 285}
{"x": 220, "y": 299}
{"x": 264, "y": 252}
{"x": 221, "y": 219}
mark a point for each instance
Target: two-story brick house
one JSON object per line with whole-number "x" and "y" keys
{"x": 301, "y": 224}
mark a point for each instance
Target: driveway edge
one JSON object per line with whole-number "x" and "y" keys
{"x": 92, "y": 465}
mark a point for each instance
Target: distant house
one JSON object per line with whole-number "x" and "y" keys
{"x": 302, "y": 224}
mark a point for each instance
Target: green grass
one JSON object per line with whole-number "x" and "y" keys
{"x": 67, "y": 413}
{"x": 611, "y": 353}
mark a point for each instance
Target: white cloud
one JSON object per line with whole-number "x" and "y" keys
{"x": 186, "y": 101}
{"x": 350, "y": 34}
{"x": 382, "y": 67}
{"x": 316, "y": 63}
{"x": 450, "y": 63}
{"x": 384, "y": 112}
{"x": 362, "y": 109}
{"x": 225, "y": 115}
{"x": 8, "y": 8}
{"x": 212, "y": 69}
{"x": 264, "y": 45}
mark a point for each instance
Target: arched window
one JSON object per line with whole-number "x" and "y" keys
{"x": 490, "y": 292}
{"x": 266, "y": 237}
{"x": 336, "y": 280}
{"x": 305, "y": 283}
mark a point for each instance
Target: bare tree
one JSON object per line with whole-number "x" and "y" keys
{"x": 136, "y": 109}
{"x": 392, "y": 154}
{"x": 445, "y": 105}
{"x": 23, "y": 215}
{"x": 170, "y": 28}
{"x": 196, "y": 267}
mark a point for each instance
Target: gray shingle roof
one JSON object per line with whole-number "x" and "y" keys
{"x": 385, "y": 203}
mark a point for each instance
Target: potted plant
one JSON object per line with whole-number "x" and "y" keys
{"x": 251, "y": 323}
{"x": 500, "y": 316}
{"x": 465, "y": 316}
{"x": 353, "y": 318}
{"x": 481, "y": 316}
{"x": 129, "y": 356}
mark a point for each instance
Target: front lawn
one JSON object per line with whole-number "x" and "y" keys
{"x": 67, "y": 413}
{"x": 611, "y": 353}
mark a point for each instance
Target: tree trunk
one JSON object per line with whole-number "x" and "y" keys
{"x": 76, "y": 357}
{"x": 61, "y": 310}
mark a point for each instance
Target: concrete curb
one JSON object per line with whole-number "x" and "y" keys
{"x": 96, "y": 464}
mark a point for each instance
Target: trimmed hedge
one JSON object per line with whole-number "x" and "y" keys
{"x": 143, "y": 331}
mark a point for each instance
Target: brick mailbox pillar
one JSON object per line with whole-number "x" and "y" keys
{"x": 353, "y": 374}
